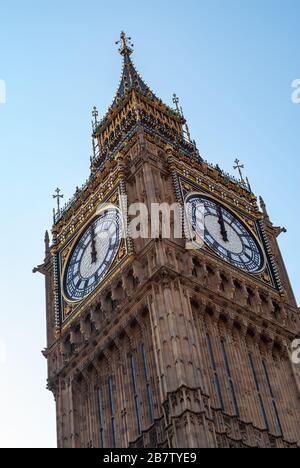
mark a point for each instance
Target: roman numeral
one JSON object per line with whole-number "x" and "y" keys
{"x": 248, "y": 256}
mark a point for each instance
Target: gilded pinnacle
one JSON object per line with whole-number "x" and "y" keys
{"x": 126, "y": 45}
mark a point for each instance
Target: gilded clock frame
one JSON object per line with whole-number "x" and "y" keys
{"x": 202, "y": 194}
{"x": 69, "y": 308}
{"x": 71, "y": 248}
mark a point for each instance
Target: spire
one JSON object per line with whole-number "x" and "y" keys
{"x": 130, "y": 78}
{"x": 140, "y": 108}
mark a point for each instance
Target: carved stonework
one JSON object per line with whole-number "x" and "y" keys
{"x": 174, "y": 348}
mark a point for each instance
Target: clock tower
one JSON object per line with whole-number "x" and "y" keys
{"x": 166, "y": 341}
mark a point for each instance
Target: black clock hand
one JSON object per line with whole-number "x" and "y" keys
{"x": 94, "y": 250}
{"x": 222, "y": 224}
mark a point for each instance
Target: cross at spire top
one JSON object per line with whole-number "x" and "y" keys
{"x": 126, "y": 45}
{"x": 176, "y": 102}
{"x": 238, "y": 166}
{"x": 58, "y": 196}
{"x": 179, "y": 110}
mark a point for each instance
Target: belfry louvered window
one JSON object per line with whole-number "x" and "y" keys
{"x": 216, "y": 380}
{"x": 112, "y": 412}
{"x": 137, "y": 402}
{"x": 230, "y": 380}
{"x": 258, "y": 393}
{"x": 101, "y": 417}
{"x": 148, "y": 385}
{"x": 273, "y": 401}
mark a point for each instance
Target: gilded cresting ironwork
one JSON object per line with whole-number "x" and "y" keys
{"x": 167, "y": 336}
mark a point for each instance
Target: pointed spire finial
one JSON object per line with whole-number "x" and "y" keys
{"x": 47, "y": 243}
{"x": 180, "y": 112}
{"x": 238, "y": 166}
{"x": 176, "y": 102}
{"x": 263, "y": 207}
{"x": 126, "y": 45}
{"x": 58, "y": 196}
{"x": 95, "y": 114}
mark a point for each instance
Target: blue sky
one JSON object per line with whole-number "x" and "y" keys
{"x": 232, "y": 64}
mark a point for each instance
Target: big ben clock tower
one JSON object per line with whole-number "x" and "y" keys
{"x": 150, "y": 343}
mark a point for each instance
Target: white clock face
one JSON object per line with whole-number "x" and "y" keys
{"x": 225, "y": 234}
{"x": 93, "y": 255}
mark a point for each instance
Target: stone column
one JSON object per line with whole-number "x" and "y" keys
{"x": 178, "y": 364}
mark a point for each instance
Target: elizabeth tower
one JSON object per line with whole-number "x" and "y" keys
{"x": 150, "y": 343}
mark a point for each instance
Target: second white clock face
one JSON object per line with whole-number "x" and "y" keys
{"x": 93, "y": 256}
{"x": 225, "y": 234}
